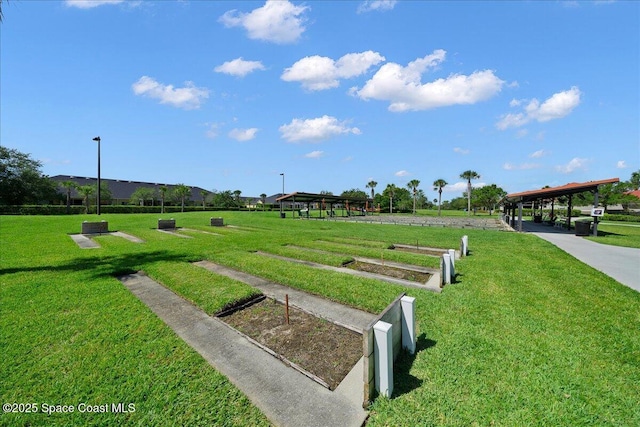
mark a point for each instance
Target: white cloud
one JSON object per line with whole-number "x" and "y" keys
{"x": 315, "y": 129}
{"x": 239, "y": 67}
{"x": 460, "y": 150}
{"x": 557, "y": 106}
{"x": 347, "y": 159}
{"x": 538, "y": 154}
{"x": 314, "y": 154}
{"x": 461, "y": 186}
{"x": 574, "y": 164}
{"x": 402, "y": 86}
{"x": 189, "y": 97}
{"x": 523, "y": 166}
{"x": 621, "y": 164}
{"x": 376, "y": 5}
{"x": 88, "y": 4}
{"x": 320, "y": 72}
{"x": 522, "y": 133}
{"x": 402, "y": 173}
{"x": 277, "y": 21}
{"x": 243, "y": 134}
{"x": 213, "y": 130}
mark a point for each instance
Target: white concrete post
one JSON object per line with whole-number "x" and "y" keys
{"x": 408, "y": 323}
{"x": 452, "y": 255}
{"x": 383, "y": 353}
{"x": 446, "y": 260}
{"x": 465, "y": 246}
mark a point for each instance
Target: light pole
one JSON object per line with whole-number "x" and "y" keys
{"x": 97, "y": 138}
{"x": 282, "y": 175}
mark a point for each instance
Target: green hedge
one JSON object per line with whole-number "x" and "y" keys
{"x": 77, "y": 210}
{"x": 621, "y": 217}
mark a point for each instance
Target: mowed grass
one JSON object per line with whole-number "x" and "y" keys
{"x": 620, "y": 234}
{"x": 527, "y": 335}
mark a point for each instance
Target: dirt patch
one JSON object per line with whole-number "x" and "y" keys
{"x": 419, "y": 250}
{"x": 385, "y": 270}
{"x": 318, "y": 346}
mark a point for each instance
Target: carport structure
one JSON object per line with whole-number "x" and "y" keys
{"x": 326, "y": 203}
{"x": 514, "y": 201}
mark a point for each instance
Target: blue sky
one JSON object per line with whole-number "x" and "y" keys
{"x": 228, "y": 95}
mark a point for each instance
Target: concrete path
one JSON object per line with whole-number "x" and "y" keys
{"x": 286, "y": 397}
{"x": 622, "y": 264}
{"x": 85, "y": 241}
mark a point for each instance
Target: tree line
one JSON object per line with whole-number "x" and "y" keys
{"x": 22, "y": 183}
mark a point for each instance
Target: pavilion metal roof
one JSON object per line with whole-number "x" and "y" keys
{"x": 553, "y": 192}
{"x": 326, "y": 198}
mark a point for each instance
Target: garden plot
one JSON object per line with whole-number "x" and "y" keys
{"x": 392, "y": 272}
{"x": 321, "y": 350}
{"x": 416, "y": 249}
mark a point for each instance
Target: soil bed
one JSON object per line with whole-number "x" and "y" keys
{"x": 318, "y": 346}
{"x": 419, "y": 250}
{"x": 385, "y": 270}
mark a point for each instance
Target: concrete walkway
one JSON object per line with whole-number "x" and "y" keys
{"x": 622, "y": 264}
{"x": 284, "y": 395}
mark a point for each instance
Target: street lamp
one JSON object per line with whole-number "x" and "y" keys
{"x": 282, "y": 175}
{"x": 97, "y": 138}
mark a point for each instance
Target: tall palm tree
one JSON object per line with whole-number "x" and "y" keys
{"x": 86, "y": 191}
{"x": 68, "y": 185}
{"x": 163, "y": 196}
{"x": 413, "y": 186}
{"x": 204, "y": 194}
{"x": 182, "y": 191}
{"x": 438, "y": 185}
{"x": 469, "y": 175}
{"x": 391, "y": 191}
{"x": 263, "y": 198}
{"x": 372, "y": 184}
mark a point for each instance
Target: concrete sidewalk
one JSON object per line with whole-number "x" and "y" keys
{"x": 284, "y": 395}
{"x": 620, "y": 263}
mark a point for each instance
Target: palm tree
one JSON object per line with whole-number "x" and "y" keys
{"x": 204, "y": 194}
{"x": 86, "y": 191}
{"x": 372, "y": 184}
{"x": 438, "y": 185}
{"x": 469, "y": 175}
{"x": 182, "y": 191}
{"x": 413, "y": 186}
{"x": 163, "y": 195}
{"x": 263, "y": 198}
{"x": 391, "y": 191}
{"x": 68, "y": 185}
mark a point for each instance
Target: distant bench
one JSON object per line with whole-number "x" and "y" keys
{"x": 164, "y": 224}
{"x": 95, "y": 227}
{"x": 217, "y": 222}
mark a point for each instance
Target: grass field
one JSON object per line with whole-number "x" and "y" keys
{"x": 527, "y": 336}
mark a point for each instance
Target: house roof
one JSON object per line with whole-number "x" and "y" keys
{"x": 553, "y": 192}
{"x": 122, "y": 189}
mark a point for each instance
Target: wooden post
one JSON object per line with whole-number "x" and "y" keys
{"x": 286, "y": 300}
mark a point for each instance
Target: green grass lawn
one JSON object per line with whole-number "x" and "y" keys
{"x": 527, "y": 336}
{"x": 620, "y": 234}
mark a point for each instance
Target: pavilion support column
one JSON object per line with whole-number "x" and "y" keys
{"x": 520, "y": 216}
{"x": 553, "y": 202}
{"x": 595, "y": 218}
{"x": 569, "y": 209}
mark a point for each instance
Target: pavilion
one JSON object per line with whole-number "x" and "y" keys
{"x": 326, "y": 202}
{"x": 536, "y": 198}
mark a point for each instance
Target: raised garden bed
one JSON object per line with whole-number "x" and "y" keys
{"x": 320, "y": 349}
{"x": 385, "y": 270}
{"x": 419, "y": 249}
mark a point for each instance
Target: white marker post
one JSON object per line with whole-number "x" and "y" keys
{"x": 408, "y": 323}
{"x": 446, "y": 261}
{"x": 383, "y": 353}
